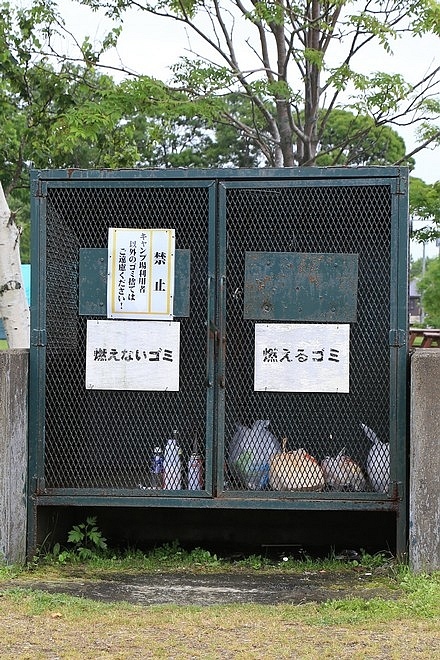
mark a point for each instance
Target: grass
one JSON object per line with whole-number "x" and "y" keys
{"x": 171, "y": 557}
{"x": 3, "y": 344}
{"x": 34, "y": 624}
{"x": 404, "y": 623}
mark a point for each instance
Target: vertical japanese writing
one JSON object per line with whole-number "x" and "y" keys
{"x": 132, "y": 271}
{"x": 160, "y": 259}
{"x": 141, "y": 273}
{"x": 143, "y": 263}
{"x": 122, "y": 266}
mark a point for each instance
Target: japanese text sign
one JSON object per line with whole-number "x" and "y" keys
{"x": 133, "y": 355}
{"x": 140, "y": 273}
{"x": 302, "y": 357}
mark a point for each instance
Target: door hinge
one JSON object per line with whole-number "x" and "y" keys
{"x": 40, "y": 485}
{"x": 402, "y": 185}
{"x": 396, "y": 490}
{"x": 38, "y": 337}
{"x": 398, "y": 338}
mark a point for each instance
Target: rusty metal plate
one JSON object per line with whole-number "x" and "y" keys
{"x": 293, "y": 286}
{"x": 93, "y": 282}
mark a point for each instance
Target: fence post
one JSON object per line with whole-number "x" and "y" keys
{"x": 13, "y": 454}
{"x": 424, "y": 506}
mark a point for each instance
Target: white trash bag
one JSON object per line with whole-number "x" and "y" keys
{"x": 378, "y": 461}
{"x": 343, "y": 473}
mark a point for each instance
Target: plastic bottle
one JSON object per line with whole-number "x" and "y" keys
{"x": 195, "y": 472}
{"x": 172, "y": 465}
{"x": 157, "y": 468}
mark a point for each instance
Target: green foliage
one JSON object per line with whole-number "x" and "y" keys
{"x": 424, "y": 204}
{"x": 314, "y": 56}
{"x": 349, "y": 139}
{"x": 255, "y": 562}
{"x": 172, "y": 554}
{"x": 63, "y": 115}
{"x": 279, "y": 89}
{"x": 416, "y": 268}
{"x": 377, "y": 560}
{"x": 173, "y": 557}
{"x": 56, "y": 114}
{"x": 380, "y": 93}
{"x": 270, "y": 12}
{"x": 8, "y": 571}
{"x": 200, "y": 79}
{"x": 87, "y": 534}
{"x": 87, "y": 541}
{"x": 429, "y": 287}
{"x": 372, "y": 23}
{"x": 306, "y": 53}
{"x": 182, "y": 7}
{"x": 428, "y": 18}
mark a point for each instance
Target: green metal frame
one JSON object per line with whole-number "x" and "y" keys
{"x": 219, "y": 181}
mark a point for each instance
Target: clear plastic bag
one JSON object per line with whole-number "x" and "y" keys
{"x": 250, "y": 452}
{"x": 342, "y": 473}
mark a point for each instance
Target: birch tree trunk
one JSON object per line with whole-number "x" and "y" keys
{"x": 14, "y": 309}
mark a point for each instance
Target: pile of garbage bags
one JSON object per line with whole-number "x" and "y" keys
{"x": 258, "y": 461}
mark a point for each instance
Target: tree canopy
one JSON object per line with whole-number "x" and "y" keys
{"x": 300, "y": 108}
{"x": 429, "y": 287}
{"x": 298, "y": 62}
{"x": 425, "y": 206}
{"x": 273, "y": 83}
{"x": 418, "y": 266}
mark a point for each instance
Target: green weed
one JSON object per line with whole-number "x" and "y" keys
{"x": 87, "y": 541}
{"x": 8, "y": 571}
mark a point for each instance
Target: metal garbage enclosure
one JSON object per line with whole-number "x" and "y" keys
{"x": 287, "y": 340}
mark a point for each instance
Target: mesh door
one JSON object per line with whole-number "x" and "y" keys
{"x": 107, "y": 439}
{"x": 316, "y": 425}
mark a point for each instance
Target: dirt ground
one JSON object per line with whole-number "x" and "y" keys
{"x": 131, "y": 617}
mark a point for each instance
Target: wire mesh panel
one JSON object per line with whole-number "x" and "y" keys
{"x": 99, "y": 439}
{"x": 288, "y": 271}
{"x": 308, "y": 440}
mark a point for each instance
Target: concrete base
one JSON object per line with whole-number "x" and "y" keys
{"x": 424, "y": 507}
{"x": 13, "y": 454}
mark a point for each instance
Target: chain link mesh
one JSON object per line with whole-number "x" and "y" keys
{"x": 102, "y": 439}
{"x": 289, "y": 441}
{"x": 317, "y": 426}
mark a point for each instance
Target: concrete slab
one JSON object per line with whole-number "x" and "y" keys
{"x": 220, "y": 589}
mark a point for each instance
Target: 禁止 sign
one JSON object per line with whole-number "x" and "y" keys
{"x": 140, "y": 273}
{"x": 133, "y": 355}
{"x": 302, "y": 357}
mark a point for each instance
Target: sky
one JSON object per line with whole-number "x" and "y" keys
{"x": 150, "y": 46}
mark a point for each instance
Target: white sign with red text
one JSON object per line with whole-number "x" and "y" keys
{"x": 140, "y": 281}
